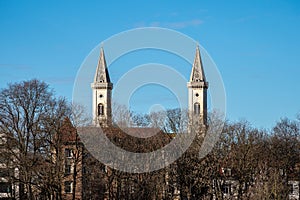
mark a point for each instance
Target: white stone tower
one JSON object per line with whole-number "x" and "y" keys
{"x": 197, "y": 91}
{"x": 102, "y": 88}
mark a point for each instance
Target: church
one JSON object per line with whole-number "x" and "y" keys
{"x": 87, "y": 178}
{"x": 102, "y": 92}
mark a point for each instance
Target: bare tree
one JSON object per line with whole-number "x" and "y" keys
{"x": 284, "y": 148}
{"x": 121, "y": 115}
{"x": 29, "y": 114}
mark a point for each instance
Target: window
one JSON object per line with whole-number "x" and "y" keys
{"x": 5, "y": 187}
{"x": 68, "y": 186}
{"x": 132, "y": 189}
{"x": 227, "y": 189}
{"x": 293, "y": 188}
{"x": 103, "y": 168}
{"x": 197, "y": 108}
{"x": 68, "y": 169}
{"x": 68, "y": 153}
{"x": 226, "y": 171}
{"x": 100, "y": 109}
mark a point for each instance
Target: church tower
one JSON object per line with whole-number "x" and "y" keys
{"x": 101, "y": 88}
{"x": 197, "y": 94}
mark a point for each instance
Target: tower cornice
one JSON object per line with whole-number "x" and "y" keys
{"x": 102, "y": 86}
{"x": 201, "y": 84}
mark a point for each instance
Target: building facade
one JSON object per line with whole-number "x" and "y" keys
{"x": 86, "y": 178}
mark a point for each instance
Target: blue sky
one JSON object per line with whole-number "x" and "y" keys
{"x": 255, "y": 45}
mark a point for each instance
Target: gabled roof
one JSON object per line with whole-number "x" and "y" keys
{"x": 68, "y": 132}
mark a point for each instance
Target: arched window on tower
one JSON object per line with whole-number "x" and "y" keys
{"x": 197, "y": 108}
{"x": 100, "y": 109}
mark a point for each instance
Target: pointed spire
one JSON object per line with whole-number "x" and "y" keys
{"x": 101, "y": 75}
{"x": 197, "y": 74}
